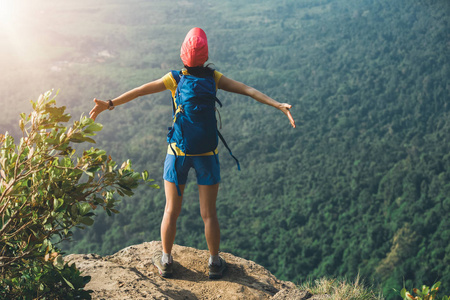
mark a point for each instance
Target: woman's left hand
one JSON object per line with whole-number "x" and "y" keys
{"x": 285, "y": 108}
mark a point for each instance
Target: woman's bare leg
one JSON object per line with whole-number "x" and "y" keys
{"x": 171, "y": 213}
{"x": 208, "y": 197}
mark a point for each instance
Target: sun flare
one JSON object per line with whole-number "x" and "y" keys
{"x": 9, "y": 10}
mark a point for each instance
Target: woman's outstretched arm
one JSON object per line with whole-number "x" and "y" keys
{"x": 148, "y": 88}
{"x": 234, "y": 86}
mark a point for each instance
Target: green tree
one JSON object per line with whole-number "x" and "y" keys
{"x": 45, "y": 190}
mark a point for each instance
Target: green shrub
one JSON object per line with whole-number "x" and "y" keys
{"x": 45, "y": 190}
{"x": 425, "y": 294}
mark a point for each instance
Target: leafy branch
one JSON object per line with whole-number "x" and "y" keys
{"x": 45, "y": 190}
{"x": 426, "y": 293}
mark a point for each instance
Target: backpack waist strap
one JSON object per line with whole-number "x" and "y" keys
{"x": 174, "y": 150}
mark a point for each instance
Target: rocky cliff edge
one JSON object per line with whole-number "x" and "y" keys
{"x": 129, "y": 274}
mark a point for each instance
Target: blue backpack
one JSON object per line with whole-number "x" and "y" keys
{"x": 194, "y": 127}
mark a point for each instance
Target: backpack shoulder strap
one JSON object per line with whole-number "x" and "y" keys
{"x": 176, "y": 75}
{"x": 229, "y": 150}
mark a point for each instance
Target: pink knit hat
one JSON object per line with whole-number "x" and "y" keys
{"x": 194, "y": 50}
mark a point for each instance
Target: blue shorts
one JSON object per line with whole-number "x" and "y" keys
{"x": 207, "y": 169}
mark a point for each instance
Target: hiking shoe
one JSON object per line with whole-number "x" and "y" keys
{"x": 215, "y": 271}
{"x": 165, "y": 270}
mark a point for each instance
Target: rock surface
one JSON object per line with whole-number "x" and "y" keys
{"x": 129, "y": 274}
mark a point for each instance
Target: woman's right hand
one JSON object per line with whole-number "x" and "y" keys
{"x": 100, "y": 106}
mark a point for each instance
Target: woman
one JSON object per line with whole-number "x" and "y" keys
{"x": 194, "y": 54}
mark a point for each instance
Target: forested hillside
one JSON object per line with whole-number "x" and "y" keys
{"x": 362, "y": 185}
